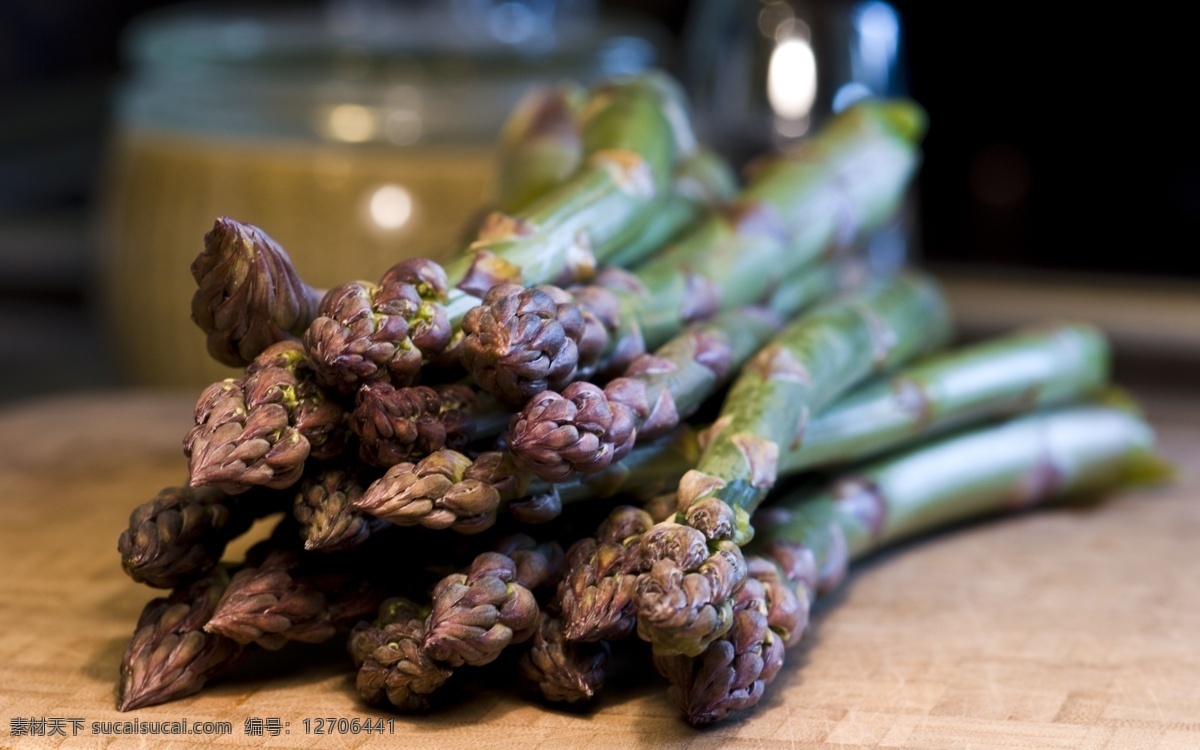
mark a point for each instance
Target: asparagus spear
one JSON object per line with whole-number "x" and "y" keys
{"x": 258, "y": 431}
{"x": 435, "y": 492}
{"x": 598, "y": 591}
{"x": 181, "y": 533}
{"x": 476, "y": 614}
{"x": 170, "y": 655}
{"x": 563, "y": 671}
{"x": 683, "y": 601}
{"x": 248, "y": 294}
{"x": 847, "y": 181}
{"x": 586, "y": 428}
{"x": 807, "y": 539}
{"x": 281, "y": 599}
{"x": 733, "y": 672}
{"x": 411, "y": 650}
{"x": 629, "y": 148}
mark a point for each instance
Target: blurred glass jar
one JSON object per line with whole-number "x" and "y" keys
{"x": 355, "y": 137}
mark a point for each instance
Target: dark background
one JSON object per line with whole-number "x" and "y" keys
{"x": 1059, "y": 142}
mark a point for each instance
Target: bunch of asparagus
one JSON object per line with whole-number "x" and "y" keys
{"x": 624, "y": 285}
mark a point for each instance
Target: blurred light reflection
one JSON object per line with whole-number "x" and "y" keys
{"x": 849, "y": 93}
{"x": 792, "y": 78}
{"x": 874, "y": 57}
{"x": 773, "y": 15}
{"x": 352, "y": 123}
{"x": 391, "y": 207}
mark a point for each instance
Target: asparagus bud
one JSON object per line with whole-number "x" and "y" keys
{"x": 435, "y": 493}
{"x": 478, "y": 613}
{"x": 180, "y": 534}
{"x": 733, "y": 671}
{"x": 276, "y": 601}
{"x": 392, "y": 665}
{"x": 249, "y": 296}
{"x": 366, "y": 332}
{"x": 582, "y": 430}
{"x": 563, "y": 671}
{"x": 260, "y": 430}
{"x": 324, "y": 509}
{"x": 170, "y": 655}
{"x": 683, "y": 599}
{"x": 407, "y": 424}
{"x": 522, "y": 341}
{"x": 598, "y": 588}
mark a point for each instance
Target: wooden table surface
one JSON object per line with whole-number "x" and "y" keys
{"x": 1058, "y": 629}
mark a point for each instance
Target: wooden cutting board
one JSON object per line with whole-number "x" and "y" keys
{"x": 1056, "y": 629}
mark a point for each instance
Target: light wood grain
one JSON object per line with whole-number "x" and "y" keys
{"x": 1063, "y": 628}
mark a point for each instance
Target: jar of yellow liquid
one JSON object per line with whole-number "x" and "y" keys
{"x": 354, "y": 138}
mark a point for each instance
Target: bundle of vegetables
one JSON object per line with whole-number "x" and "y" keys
{"x": 414, "y": 431}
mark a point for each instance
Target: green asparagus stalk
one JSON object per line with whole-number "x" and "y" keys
{"x": 170, "y": 655}
{"x": 683, "y": 600}
{"x": 1002, "y": 376}
{"x": 587, "y": 427}
{"x": 540, "y": 146}
{"x": 248, "y": 296}
{"x": 703, "y": 180}
{"x": 629, "y": 149}
{"x": 846, "y": 182}
{"x": 807, "y": 539}
{"x": 260, "y": 430}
